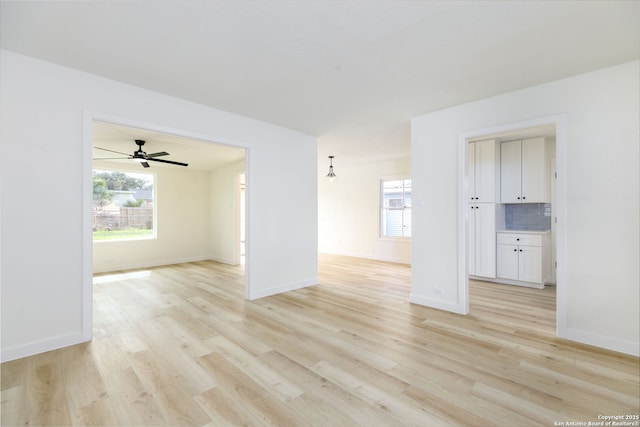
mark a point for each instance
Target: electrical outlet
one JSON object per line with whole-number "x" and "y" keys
{"x": 438, "y": 291}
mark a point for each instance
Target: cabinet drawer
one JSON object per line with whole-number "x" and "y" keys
{"x": 519, "y": 239}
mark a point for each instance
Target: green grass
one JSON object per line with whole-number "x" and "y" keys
{"x": 129, "y": 233}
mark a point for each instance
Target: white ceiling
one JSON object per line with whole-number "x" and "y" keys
{"x": 352, "y": 73}
{"x": 200, "y": 155}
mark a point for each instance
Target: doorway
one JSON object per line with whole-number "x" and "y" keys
{"x": 551, "y": 128}
{"x": 188, "y": 222}
{"x": 242, "y": 220}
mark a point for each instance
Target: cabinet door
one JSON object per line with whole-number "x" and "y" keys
{"x": 535, "y": 180}
{"x": 472, "y": 240}
{"x": 507, "y": 256}
{"x": 485, "y": 245}
{"x": 510, "y": 171}
{"x": 485, "y": 171}
{"x": 471, "y": 170}
{"x": 530, "y": 263}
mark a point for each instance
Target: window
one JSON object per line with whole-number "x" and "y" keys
{"x": 123, "y": 205}
{"x": 395, "y": 208}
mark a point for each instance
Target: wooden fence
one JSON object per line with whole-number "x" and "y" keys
{"x": 124, "y": 218}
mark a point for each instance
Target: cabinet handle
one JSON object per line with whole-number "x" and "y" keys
{"x": 520, "y": 250}
{"x": 515, "y": 250}
{"x": 517, "y": 239}
{"x": 518, "y": 197}
{"x": 523, "y": 197}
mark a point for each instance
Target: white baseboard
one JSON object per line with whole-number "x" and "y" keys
{"x": 36, "y": 347}
{"x": 602, "y": 341}
{"x": 508, "y": 282}
{"x": 368, "y": 256}
{"x": 227, "y": 261}
{"x": 436, "y": 303}
{"x": 283, "y": 288}
{"x": 155, "y": 263}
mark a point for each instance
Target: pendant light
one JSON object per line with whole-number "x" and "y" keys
{"x": 331, "y": 176}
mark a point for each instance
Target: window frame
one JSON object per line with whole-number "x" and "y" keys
{"x": 382, "y": 208}
{"x": 154, "y": 175}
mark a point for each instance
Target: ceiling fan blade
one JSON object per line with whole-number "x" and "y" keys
{"x": 161, "y": 153}
{"x": 117, "y": 152}
{"x": 144, "y": 164}
{"x": 169, "y": 161}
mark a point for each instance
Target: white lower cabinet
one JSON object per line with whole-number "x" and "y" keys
{"x": 530, "y": 264}
{"x": 522, "y": 258}
{"x": 507, "y": 259}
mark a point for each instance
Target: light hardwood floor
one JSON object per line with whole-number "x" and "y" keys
{"x": 178, "y": 345}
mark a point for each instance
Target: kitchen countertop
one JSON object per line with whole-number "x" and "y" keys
{"x": 524, "y": 231}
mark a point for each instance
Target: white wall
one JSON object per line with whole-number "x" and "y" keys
{"x": 598, "y": 216}
{"x": 46, "y": 115}
{"x": 225, "y": 214}
{"x": 183, "y": 205}
{"x": 348, "y": 221}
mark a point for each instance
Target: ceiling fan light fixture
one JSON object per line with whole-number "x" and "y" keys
{"x": 331, "y": 176}
{"x": 139, "y": 156}
{"x": 142, "y": 157}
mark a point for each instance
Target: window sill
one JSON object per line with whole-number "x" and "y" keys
{"x": 395, "y": 239}
{"x": 137, "y": 239}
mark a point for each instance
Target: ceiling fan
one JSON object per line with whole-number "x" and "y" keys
{"x": 140, "y": 156}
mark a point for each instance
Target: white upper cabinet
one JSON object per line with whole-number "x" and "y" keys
{"x": 524, "y": 171}
{"x": 536, "y": 186}
{"x": 511, "y": 172}
{"x": 482, "y": 176}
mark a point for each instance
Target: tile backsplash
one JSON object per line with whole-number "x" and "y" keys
{"x": 528, "y": 216}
